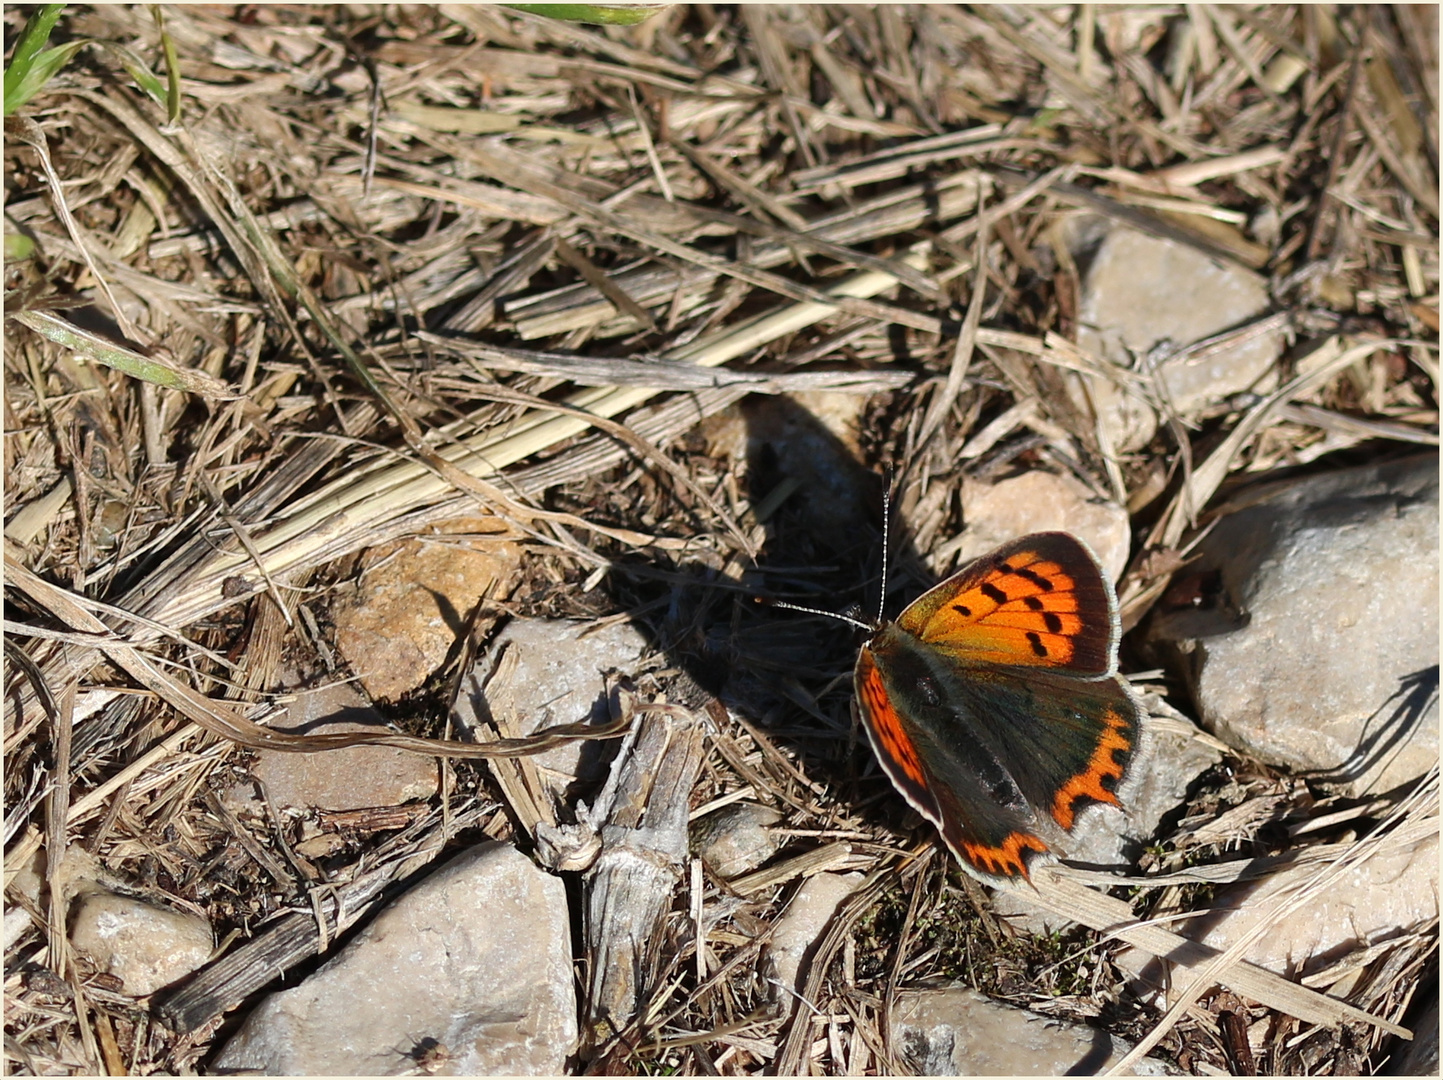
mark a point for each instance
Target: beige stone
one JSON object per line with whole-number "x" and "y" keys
{"x": 1038, "y": 501}
{"x": 145, "y": 946}
{"x": 796, "y": 933}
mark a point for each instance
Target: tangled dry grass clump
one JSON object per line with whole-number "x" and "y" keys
{"x": 290, "y": 282}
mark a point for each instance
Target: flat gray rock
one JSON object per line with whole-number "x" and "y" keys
{"x": 1392, "y": 895}
{"x": 1143, "y": 301}
{"x": 542, "y": 672}
{"x": 352, "y": 778}
{"x": 476, "y": 959}
{"x": 1313, "y": 641}
{"x": 955, "y": 1031}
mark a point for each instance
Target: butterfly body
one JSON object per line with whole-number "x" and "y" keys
{"x": 994, "y": 705}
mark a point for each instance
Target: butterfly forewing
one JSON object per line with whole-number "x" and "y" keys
{"x": 1041, "y": 601}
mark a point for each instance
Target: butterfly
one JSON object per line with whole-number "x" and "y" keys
{"x": 994, "y": 705}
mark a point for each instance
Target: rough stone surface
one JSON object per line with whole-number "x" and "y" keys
{"x": 412, "y": 600}
{"x": 542, "y": 672}
{"x": 801, "y": 925}
{"x": 1140, "y": 293}
{"x": 349, "y": 779}
{"x": 476, "y": 958}
{"x": 1037, "y": 501}
{"x": 1318, "y": 645}
{"x": 736, "y": 839}
{"x": 955, "y": 1031}
{"x": 1393, "y": 893}
{"x": 145, "y": 946}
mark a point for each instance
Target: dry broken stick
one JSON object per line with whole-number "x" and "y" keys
{"x": 640, "y": 821}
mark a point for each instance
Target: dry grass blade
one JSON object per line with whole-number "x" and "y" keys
{"x": 224, "y": 721}
{"x": 25, "y": 130}
{"x": 504, "y": 166}
{"x": 657, "y": 374}
{"x": 1423, "y": 802}
{"x": 966, "y": 342}
{"x": 1331, "y": 358}
{"x": 1113, "y": 917}
{"x": 352, "y": 506}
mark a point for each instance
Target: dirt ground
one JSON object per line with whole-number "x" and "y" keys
{"x": 286, "y": 284}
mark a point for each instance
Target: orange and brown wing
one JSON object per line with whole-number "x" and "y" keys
{"x": 1040, "y": 601}
{"x": 991, "y": 833}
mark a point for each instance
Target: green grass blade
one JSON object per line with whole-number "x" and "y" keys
{"x": 172, "y": 66}
{"x": 101, "y": 350}
{"x": 140, "y": 71}
{"x": 18, "y": 246}
{"x": 19, "y": 76}
{"x": 601, "y": 14}
{"x": 42, "y": 68}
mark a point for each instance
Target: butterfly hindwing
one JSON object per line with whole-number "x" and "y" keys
{"x": 1065, "y": 741}
{"x": 969, "y": 797}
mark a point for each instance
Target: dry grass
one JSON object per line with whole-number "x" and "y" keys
{"x": 411, "y": 259}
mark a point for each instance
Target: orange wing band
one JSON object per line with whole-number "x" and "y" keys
{"x": 1103, "y": 766}
{"x": 886, "y": 724}
{"x": 1026, "y": 611}
{"x": 1004, "y": 860}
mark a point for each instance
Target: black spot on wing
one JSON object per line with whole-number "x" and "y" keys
{"x": 1031, "y": 575}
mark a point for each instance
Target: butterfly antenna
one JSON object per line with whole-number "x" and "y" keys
{"x": 814, "y": 611}
{"x": 886, "y": 531}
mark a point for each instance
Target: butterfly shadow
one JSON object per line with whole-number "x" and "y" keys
{"x": 789, "y": 673}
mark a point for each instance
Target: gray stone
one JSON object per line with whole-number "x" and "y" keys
{"x": 352, "y": 778}
{"x": 542, "y": 672}
{"x": 145, "y": 946}
{"x": 736, "y": 838}
{"x": 796, "y": 933}
{"x": 476, "y": 959}
{"x": 1142, "y": 295}
{"x": 1317, "y": 646}
{"x": 955, "y": 1031}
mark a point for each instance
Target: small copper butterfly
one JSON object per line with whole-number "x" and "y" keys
{"x": 994, "y": 704}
